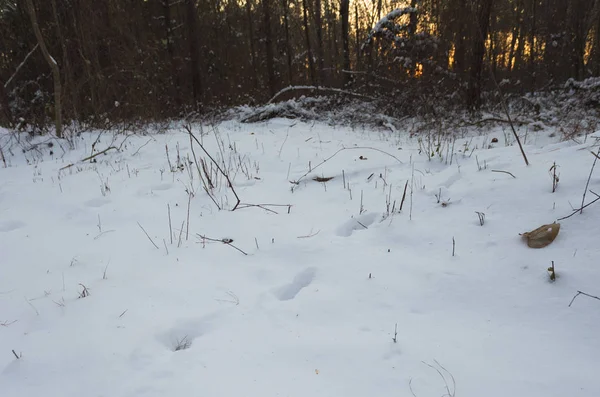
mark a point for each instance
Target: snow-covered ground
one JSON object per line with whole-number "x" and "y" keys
{"x": 339, "y": 294}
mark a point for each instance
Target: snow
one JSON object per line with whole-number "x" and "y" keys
{"x": 383, "y": 22}
{"x": 312, "y": 310}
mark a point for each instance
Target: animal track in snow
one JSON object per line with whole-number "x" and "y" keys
{"x": 360, "y": 222}
{"x": 301, "y": 281}
{"x": 181, "y": 336}
{"x": 9, "y": 226}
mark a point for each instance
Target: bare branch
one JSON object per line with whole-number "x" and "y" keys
{"x": 505, "y": 172}
{"x": 583, "y": 293}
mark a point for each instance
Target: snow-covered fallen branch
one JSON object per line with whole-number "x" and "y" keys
{"x": 317, "y": 88}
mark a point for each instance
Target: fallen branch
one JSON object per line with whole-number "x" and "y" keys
{"x": 495, "y": 120}
{"x": 90, "y": 157}
{"x": 581, "y": 209}
{"x": 310, "y": 235}
{"x": 297, "y": 181}
{"x": 315, "y": 88}
{"x": 583, "y": 293}
{"x": 505, "y": 172}
{"x": 226, "y": 241}
{"x": 264, "y": 206}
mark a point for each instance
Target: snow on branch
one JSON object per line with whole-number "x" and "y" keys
{"x": 315, "y": 88}
{"x": 387, "y": 22}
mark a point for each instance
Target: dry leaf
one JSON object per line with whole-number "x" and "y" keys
{"x": 542, "y": 236}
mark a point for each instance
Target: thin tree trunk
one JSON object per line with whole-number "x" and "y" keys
{"x": 4, "y": 106}
{"x": 70, "y": 87}
{"x": 311, "y": 65}
{"x": 532, "y": 53}
{"x": 481, "y": 32}
{"x": 175, "y": 92}
{"x": 515, "y": 35}
{"x": 344, "y": 11}
{"x": 269, "y": 46}
{"x": 357, "y": 30}
{"x": 252, "y": 50}
{"x": 319, "y": 31}
{"x": 288, "y": 48}
{"x": 194, "y": 48}
{"x": 53, "y": 65}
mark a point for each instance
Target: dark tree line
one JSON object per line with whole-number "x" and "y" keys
{"x": 154, "y": 59}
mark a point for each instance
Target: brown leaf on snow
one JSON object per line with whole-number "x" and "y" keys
{"x": 542, "y": 236}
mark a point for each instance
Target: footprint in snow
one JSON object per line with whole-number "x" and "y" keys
{"x": 301, "y": 281}
{"x": 361, "y": 222}
{"x": 182, "y": 335}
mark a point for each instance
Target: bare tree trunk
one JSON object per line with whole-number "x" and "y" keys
{"x": 319, "y": 31}
{"x": 532, "y": 53}
{"x": 288, "y": 48}
{"x": 311, "y": 64}
{"x": 171, "y": 52}
{"x": 460, "y": 52}
{"x": 515, "y": 35}
{"x": 4, "y": 105}
{"x": 192, "y": 28}
{"x": 357, "y": 30}
{"x": 344, "y": 11}
{"x": 70, "y": 87}
{"x": 269, "y": 46}
{"x": 483, "y": 23}
{"x": 251, "y": 37}
{"x": 53, "y": 65}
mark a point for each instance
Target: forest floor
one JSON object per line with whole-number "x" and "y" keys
{"x": 119, "y": 275}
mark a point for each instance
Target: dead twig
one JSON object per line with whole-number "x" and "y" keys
{"x": 189, "y": 130}
{"x": 147, "y": 235}
{"x": 505, "y": 172}
{"x": 583, "y": 293}
{"x": 226, "y": 241}
{"x": 596, "y": 157}
{"x": 311, "y": 234}
{"x": 580, "y": 209}
{"x": 90, "y": 157}
{"x": 297, "y": 181}
{"x": 140, "y": 148}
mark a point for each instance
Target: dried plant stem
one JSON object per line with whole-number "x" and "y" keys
{"x": 596, "y": 156}
{"x": 311, "y": 169}
{"x": 170, "y": 227}
{"x": 230, "y": 185}
{"x": 147, "y": 235}
{"x": 222, "y": 240}
{"x": 187, "y": 227}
